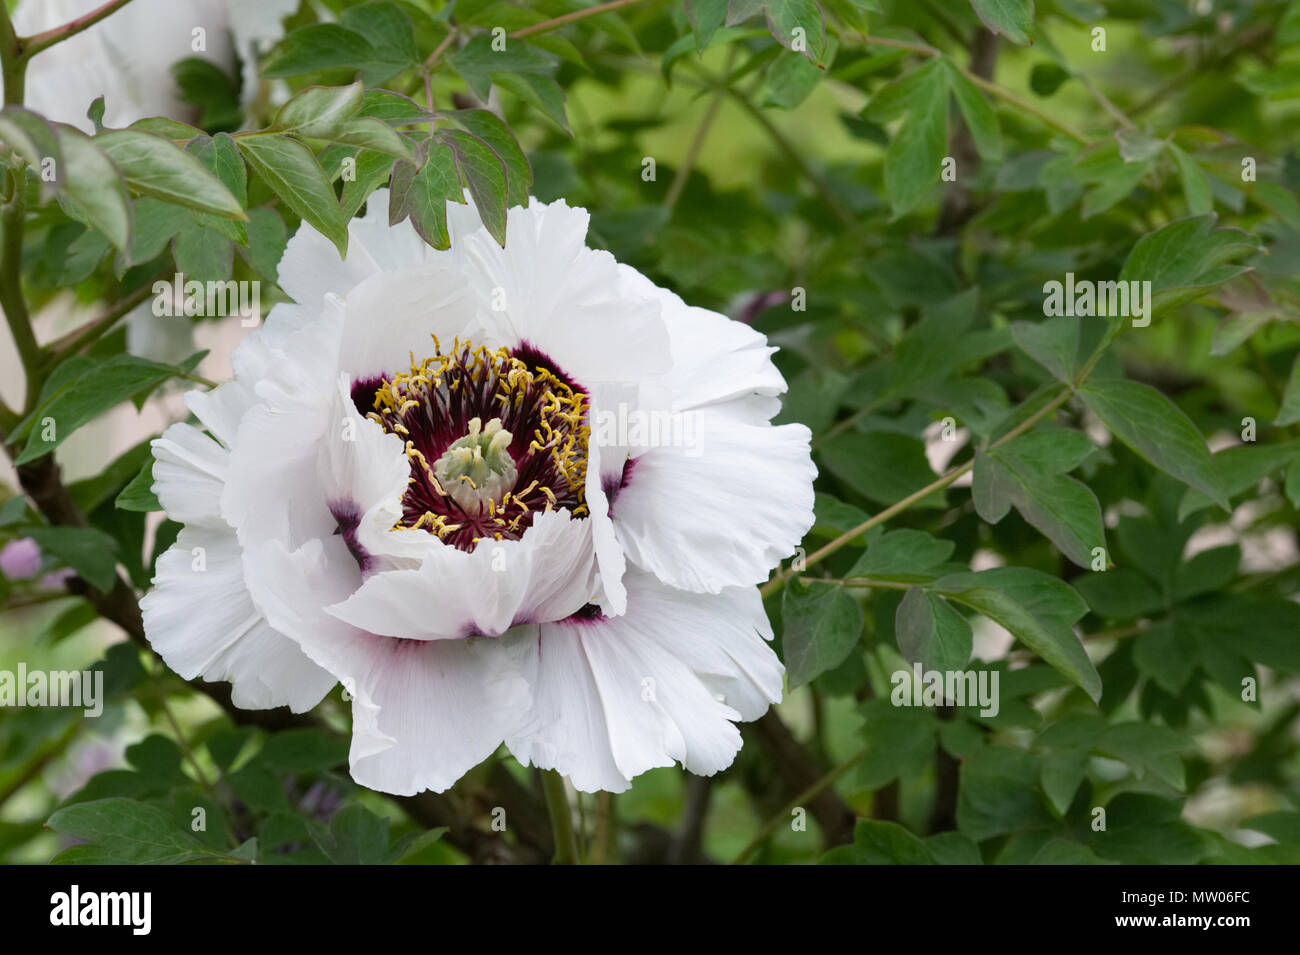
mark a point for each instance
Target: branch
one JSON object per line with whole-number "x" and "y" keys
{"x": 990, "y": 87}
{"x": 571, "y": 17}
{"x": 11, "y": 293}
{"x": 778, "y": 581}
{"x": 32, "y": 45}
{"x": 77, "y": 339}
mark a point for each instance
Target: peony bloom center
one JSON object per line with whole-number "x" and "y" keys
{"x": 478, "y": 469}
{"x": 493, "y": 437}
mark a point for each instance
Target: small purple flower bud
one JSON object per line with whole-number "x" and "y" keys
{"x": 20, "y": 559}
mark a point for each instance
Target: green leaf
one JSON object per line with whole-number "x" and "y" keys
{"x": 1165, "y": 655}
{"x": 485, "y": 125}
{"x": 1289, "y": 411}
{"x": 423, "y": 195}
{"x": 541, "y": 92}
{"x": 139, "y": 495}
{"x": 372, "y": 170}
{"x": 1143, "y": 829}
{"x": 1196, "y": 186}
{"x": 880, "y": 843}
{"x": 901, "y": 743}
{"x": 356, "y": 836}
{"x": 267, "y": 239}
{"x": 153, "y": 166}
{"x": 822, "y": 626}
{"x": 1013, "y": 19}
{"x": 125, "y": 832}
{"x": 1119, "y": 594}
{"x": 1061, "y": 774}
{"x": 790, "y": 79}
{"x": 484, "y": 174}
{"x": 87, "y": 550}
{"x": 798, "y": 25}
{"x": 91, "y": 188}
{"x": 1185, "y": 258}
{"x": 303, "y": 751}
{"x": 330, "y": 113}
{"x": 391, "y": 34}
{"x": 1064, "y": 510}
{"x": 902, "y": 555}
{"x": 204, "y": 255}
{"x": 295, "y": 175}
{"x": 883, "y": 466}
{"x": 999, "y": 794}
{"x": 1038, "y": 610}
{"x": 31, "y": 137}
{"x": 329, "y": 46}
{"x": 705, "y": 17}
{"x": 85, "y": 391}
{"x": 1155, "y": 428}
{"x": 931, "y": 633}
{"x": 1053, "y": 343}
{"x": 916, "y": 150}
{"x": 979, "y": 115}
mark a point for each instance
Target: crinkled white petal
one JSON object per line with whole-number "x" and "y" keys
{"x": 546, "y": 288}
{"x": 715, "y": 359}
{"x": 424, "y": 712}
{"x": 722, "y": 509}
{"x": 189, "y": 472}
{"x": 391, "y": 316}
{"x": 202, "y": 622}
{"x": 670, "y": 677}
{"x": 545, "y": 575}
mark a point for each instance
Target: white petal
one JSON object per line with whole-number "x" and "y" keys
{"x": 671, "y": 676}
{"x": 571, "y": 734}
{"x": 311, "y": 268}
{"x": 721, "y": 511}
{"x": 715, "y": 359}
{"x": 423, "y": 712}
{"x": 564, "y": 299}
{"x": 189, "y": 472}
{"x": 546, "y": 575}
{"x": 394, "y": 315}
{"x": 201, "y": 620}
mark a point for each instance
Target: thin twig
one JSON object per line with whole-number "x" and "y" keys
{"x": 571, "y": 17}
{"x": 32, "y": 45}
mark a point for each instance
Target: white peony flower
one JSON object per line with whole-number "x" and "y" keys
{"x": 436, "y": 479}
{"x": 127, "y": 57}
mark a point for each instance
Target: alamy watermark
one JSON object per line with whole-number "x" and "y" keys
{"x": 921, "y": 687}
{"x": 67, "y": 688}
{"x": 190, "y": 297}
{"x": 1126, "y": 299}
{"x": 632, "y": 427}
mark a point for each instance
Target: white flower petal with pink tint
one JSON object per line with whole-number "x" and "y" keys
{"x": 412, "y": 483}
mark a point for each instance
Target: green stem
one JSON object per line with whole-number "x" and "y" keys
{"x": 809, "y": 794}
{"x": 557, "y": 804}
{"x": 12, "y": 64}
{"x": 777, "y": 582}
{"x": 570, "y": 17}
{"x": 11, "y": 293}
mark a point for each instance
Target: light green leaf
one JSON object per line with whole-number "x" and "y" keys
{"x": 153, "y": 166}
{"x": 1013, "y": 19}
{"x": 294, "y": 174}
